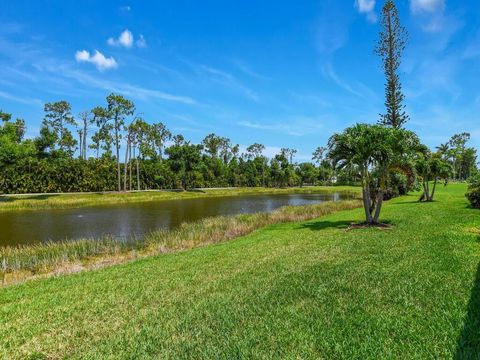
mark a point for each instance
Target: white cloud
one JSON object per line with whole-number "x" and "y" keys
{"x": 430, "y": 6}
{"x": 98, "y": 59}
{"x": 367, "y": 7}
{"x": 125, "y": 39}
{"x": 141, "y": 42}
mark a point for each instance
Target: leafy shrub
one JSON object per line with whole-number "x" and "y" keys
{"x": 473, "y": 192}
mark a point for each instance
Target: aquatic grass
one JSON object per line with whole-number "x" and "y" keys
{"x": 23, "y": 262}
{"x": 79, "y": 200}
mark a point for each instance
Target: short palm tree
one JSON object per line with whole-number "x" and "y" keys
{"x": 375, "y": 150}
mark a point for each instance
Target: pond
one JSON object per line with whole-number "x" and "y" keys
{"x": 128, "y": 220}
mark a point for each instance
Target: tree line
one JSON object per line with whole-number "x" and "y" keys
{"x": 112, "y": 147}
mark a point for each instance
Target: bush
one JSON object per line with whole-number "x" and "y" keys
{"x": 473, "y": 192}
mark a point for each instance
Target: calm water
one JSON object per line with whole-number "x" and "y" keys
{"x": 127, "y": 220}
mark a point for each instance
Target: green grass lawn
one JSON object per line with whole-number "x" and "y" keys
{"x": 310, "y": 290}
{"x": 78, "y": 200}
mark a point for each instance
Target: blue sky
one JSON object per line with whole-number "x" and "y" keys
{"x": 283, "y": 73}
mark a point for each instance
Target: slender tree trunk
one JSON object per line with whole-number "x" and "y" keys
{"x": 125, "y": 167}
{"x": 425, "y": 192}
{"x": 138, "y": 172}
{"x": 378, "y": 207}
{"x": 61, "y": 135}
{"x": 130, "y": 166}
{"x": 433, "y": 190}
{"x": 80, "y": 144}
{"x": 367, "y": 204}
{"x": 428, "y": 189}
{"x": 117, "y": 145}
{"x": 85, "y": 140}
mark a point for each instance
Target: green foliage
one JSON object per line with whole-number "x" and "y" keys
{"x": 473, "y": 191}
{"x": 390, "y": 47}
{"x": 374, "y": 150}
{"x": 431, "y": 167}
{"x": 57, "y": 117}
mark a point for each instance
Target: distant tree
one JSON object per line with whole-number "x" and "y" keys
{"x": 468, "y": 163}
{"x": 255, "y": 153}
{"x": 159, "y": 136}
{"x": 457, "y": 145}
{"x": 103, "y": 140}
{"x": 390, "y": 47}
{"x": 12, "y": 148}
{"x": 178, "y": 140}
{"x": 225, "y": 149}
{"x": 255, "y": 150}
{"x": 118, "y": 108}
{"x": 289, "y": 153}
{"x": 431, "y": 167}
{"x": 185, "y": 160}
{"x": 211, "y": 144}
{"x": 318, "y": 154}
{"x": 282, "y": 171}
{"x": 140, "y": 138}
{"x": 86, "y": 120}
{"x": 45, "y": 142}
{"x": 307, "y": 173}
{"x": 58, "y": 116}
{"x": 5, "y": 117}
{"x": 235, "y": 151}
{"x": 443, "y": 149}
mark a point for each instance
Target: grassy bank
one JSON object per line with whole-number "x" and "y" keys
{"x": 20, "y": 263}
{"x": 78, "y": 200}
{"x": 309, "y": 290}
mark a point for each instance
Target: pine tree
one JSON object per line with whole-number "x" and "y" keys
{"x": 392, "y": 42}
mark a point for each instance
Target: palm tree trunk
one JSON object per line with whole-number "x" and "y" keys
{"x": 378, "y": 207}
{"x": 366, "y": 203}
{"x": 425, "y": 191}
{"x": 433, "y": 190}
